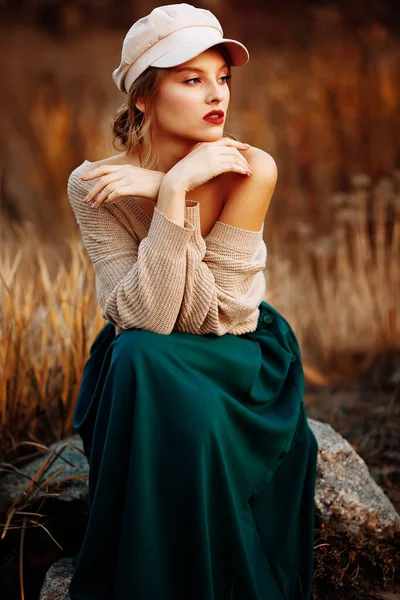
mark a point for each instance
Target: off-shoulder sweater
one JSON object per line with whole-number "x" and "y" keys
{"x": 154, "y": 274}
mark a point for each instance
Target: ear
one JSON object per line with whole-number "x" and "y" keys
{"x": 140, "y": 105}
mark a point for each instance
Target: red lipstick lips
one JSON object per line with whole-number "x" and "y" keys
{"x": 215, "y": 116}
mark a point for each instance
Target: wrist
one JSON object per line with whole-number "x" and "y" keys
{"x": 173, "y": 183}
{"x": 153, "y": 184}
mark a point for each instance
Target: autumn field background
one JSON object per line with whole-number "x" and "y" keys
{"x": 321, "y": 94}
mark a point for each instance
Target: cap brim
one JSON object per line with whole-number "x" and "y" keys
{"x": 237, "y": 51}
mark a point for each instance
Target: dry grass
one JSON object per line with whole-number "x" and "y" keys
{"x": 340, "y": 291}
{"x": 46, "y": 327}
{"x": 354, "y": 569}
{"x": 24, "y": 512}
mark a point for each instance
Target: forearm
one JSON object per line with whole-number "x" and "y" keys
{"x": 171, "y": 200}
{"x": 224, "y": 283}
{"x": 153, "y": 184}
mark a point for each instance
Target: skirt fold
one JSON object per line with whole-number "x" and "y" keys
{"x": 201, "y": 467}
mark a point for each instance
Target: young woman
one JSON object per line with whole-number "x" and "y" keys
{"x": 191, "y": 412}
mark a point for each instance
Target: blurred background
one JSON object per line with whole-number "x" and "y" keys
{"x": 321, "y": 94}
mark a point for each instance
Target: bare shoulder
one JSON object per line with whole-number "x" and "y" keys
{"x": 264, "y": 172}
{"x": 261, "y": 162}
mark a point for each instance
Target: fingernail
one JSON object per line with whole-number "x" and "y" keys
{"x": 92, "y": 204}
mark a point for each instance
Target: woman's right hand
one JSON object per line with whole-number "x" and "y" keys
{"x": 206, "y": 161}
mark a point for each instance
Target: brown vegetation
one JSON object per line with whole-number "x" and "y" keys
{"x": 327, "y": 286}
{"x": 346, "y": 282}
{"x": 321, "y": 95}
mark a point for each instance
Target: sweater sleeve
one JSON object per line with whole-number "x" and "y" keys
{"x": 138, "y": 284}
{"x": 225, "y": 280}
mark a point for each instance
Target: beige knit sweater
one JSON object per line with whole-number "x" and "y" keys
{"x": 154, "y": 274}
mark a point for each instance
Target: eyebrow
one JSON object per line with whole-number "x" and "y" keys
{"x": 196, "y": 69}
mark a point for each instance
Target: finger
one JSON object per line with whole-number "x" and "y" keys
{"x": 96, "y": 203}
{"x": 100, "y": 185}
{"x": 234, "y": 153}
{"x": 244, "y": 162}
{"x": 244, "y": 165}
{"x": 234, "y": 143}
{"x": 104, "y": 195}
{"x": 228, "y": 142}
{"x": 99, "y": 171}
{"x": 118, "y": 193}
{"x": 237, "y": 167}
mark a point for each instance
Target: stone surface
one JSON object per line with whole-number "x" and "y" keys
{"x": 71, "y": 460}
{"x": 55, "y": 585}
{"x": 346, "y": 495}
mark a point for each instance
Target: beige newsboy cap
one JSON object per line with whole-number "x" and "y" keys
{"x": 169, "y": 36}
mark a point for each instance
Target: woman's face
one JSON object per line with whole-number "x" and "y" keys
{"x": 190, "y": 91}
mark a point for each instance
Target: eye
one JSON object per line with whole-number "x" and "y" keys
{"x": 225, "y": 77}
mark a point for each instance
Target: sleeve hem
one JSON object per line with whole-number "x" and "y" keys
{"x": 235, "y": 238}
{"x": 167, "y": 234}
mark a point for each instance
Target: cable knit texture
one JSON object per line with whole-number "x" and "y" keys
{"x": 152, "y": 273}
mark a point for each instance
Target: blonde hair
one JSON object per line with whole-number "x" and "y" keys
{"x": 130, "y": 125}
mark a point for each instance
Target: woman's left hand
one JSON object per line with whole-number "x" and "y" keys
{"x": 121, "y": 180}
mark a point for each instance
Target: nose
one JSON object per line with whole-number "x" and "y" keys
{"x": 216, "y": 93}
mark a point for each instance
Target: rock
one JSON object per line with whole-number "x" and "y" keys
{"x": 56, "y": 583}
{"x": 346, "y": 496}
{"x": 71, "y": 460}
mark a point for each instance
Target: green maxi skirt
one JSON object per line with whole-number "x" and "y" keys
{"x": 201, "y": 467}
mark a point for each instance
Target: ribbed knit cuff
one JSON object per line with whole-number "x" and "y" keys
{"x": 167, "y": 235}
{"x": 235, "y": 238}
